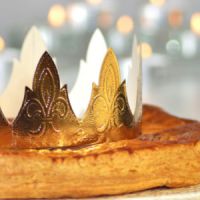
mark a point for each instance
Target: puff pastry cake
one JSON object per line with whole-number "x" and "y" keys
{"x": 47, "y": 152}
{"x": 166, "y": 154}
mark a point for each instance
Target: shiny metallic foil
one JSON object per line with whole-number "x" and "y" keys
{"x": 46, "y": 118}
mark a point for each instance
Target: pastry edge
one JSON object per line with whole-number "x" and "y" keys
{"x": 47, "y": 175}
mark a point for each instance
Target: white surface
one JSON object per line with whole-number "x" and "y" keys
{"x": 88, "y": 73}
{"x": 134, "y": 82}
{"x": 22, "y": 73}
{"x": 188, "y": 193}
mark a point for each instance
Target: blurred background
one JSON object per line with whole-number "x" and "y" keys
{"x": 169, "y": 32}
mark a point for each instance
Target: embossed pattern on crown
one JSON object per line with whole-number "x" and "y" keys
{"x": 109, "y": 106}
{"x": 47, "y": 106}
{"x": 46, "y": 118}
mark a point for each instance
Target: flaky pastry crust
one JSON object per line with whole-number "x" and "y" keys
{"x": 166, "y": 154}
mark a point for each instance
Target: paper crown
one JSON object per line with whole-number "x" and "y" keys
{"x": 46, "y": 118}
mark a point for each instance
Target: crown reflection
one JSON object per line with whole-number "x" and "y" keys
{"x": 46, "y": 118}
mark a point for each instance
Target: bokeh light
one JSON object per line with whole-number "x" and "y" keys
{"x": 151, "y": 19}
{"x": 175, "y": 18}
{"x": 189, "y": 44}
{"x": 56, "y": 15}
{"x": 94, "y": 2}
{"x": 104, "y": 19}
{"x": 125, "y": 24}
{"x": 78, "y": 15}
{"x": 173, "y": 47}
{"x": 195, "y": 23}
{"x": 146, "y": 50}
{"x": 157, "y": 2}
{"x": 2, "y": 44}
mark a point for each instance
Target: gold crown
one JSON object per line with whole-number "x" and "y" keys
{"x": 46, "y": 118}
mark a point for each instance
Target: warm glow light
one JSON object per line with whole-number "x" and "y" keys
{"x": 146, "y": 50}
{"x": 56, "y": 15}
{"x": 105, "y": 19}
{"x": 175, "y": 18}
{"x": 125, "y": 24}
{"x": 78, "y": 14}
{"x": 151, "y": 19}
{"x": 157, "y": 2}
{"x": 2, "y": 44}
{"x": 195, "y": 23}
{"x": 94, "y": 2}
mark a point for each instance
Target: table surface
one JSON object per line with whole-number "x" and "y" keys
{"x": 188, "y": 193}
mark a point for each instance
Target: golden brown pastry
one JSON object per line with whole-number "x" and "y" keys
{"x": 47, "y": 152}
{"x": 166, "y": 154}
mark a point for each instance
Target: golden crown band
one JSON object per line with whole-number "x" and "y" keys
{"x": 46, "y": 118}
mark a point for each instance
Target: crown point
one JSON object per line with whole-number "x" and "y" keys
{"x": 111, "y": 55}
{"x": 110, "y": 70}
{"x": 46, "y": 54}
{"x": 46, "y": 75}
{"x": 110, "y": 51}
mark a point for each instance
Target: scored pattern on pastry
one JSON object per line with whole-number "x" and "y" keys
{"x": 47, "y": 106}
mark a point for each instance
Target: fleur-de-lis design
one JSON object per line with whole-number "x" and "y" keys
{"x": 110, "y": 105}
{"x": 46, "y": 110}
{"x": 47, "y": 106}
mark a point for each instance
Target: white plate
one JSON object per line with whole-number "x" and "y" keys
{"x": 188, "y": 193}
